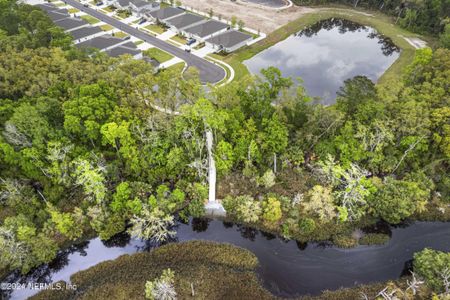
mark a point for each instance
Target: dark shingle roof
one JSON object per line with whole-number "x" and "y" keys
{"x": 71, "y": 23}
{"x": 124, "y": 3}
{"x": 127, "y": 48}
{"x": 207, "y": 28}
{"x": 140, "y": 3}
{"x": 229, "y": 39}
{"x": 185, "y": 20}
{"x": 100, "y": 42}
{"x": 49, "y": 7}
{"x": 56, "y": 15}
{"x": 166, "y": 13}
{"x": 84, "y": 32}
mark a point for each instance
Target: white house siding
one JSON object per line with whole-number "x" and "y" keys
{"x": 75, "y": 28}
{"x": 227, "y": 49}
{"x": 89, "y": 37}
{"x": 202, "y": 39}
{"x": 237, "y": 46}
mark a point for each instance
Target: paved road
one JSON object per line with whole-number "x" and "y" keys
{"x": 209, "y": 72}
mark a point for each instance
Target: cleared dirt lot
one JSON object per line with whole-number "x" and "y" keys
{"x": 264, "y": 19}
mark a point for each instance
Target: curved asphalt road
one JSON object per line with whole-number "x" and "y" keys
{"x": 209, "y": 72}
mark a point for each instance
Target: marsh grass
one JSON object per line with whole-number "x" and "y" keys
{"x": 216, "y": 271}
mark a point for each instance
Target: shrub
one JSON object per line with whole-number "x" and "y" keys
{"x": 229, "y": 204}
{"x": 248, "y": 210}
{"x": 398, "y": 199}
{"x": 161, "y": 288}
{"x": 374, "y": 239}
{"x": 433, "y": 266}
{"x": 320, "y": 203}
{"x": 307, "y": 225}
{"x": 272, "y": 210}
{"x": 267, "y": 180}
{"x": 344, "y": 241}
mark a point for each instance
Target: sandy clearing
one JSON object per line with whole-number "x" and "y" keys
{"x": 258, "y": 18}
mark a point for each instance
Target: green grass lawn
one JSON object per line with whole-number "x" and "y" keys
{"x": 382, "y": 23}
{"x": 73, "y": 10}
{"x": 90, "y": 19}
{"x": 123, "y": 13}
{"x": 157, "y": 54}
{"x": 137, "y": 43}
{"x": 179, "y": 39}
{"x": 120, "y": 34}
{"x": 109, "y": 8}
{"x": 155, "y": 28}
{"x": 106, "y": 27}
{"x": 59, "y": 4}
{"x": 176, "y": 68}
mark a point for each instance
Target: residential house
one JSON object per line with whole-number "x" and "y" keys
{"x": 127, "y": 48}
{"x": 122, "y": 4}
{"x": 206, "y": 30}
{"x": 70, "y": 24}
{"x": 141, "y": 7}
{"x": 56, "y": 15}
{"x": 229, "y": 41}
{"x": 102, "y": 43}
{"x": 50, "y": 7}
{"x": 184, "y": 21}
{"x": 85, "y": 33}
{"x": 164, "y": 14}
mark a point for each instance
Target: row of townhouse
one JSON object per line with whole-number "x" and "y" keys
{"x": 214, "y": 34}
{"x": 88, "y": 36}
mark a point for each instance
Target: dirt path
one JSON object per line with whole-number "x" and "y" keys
{"x": 258, "y": 18}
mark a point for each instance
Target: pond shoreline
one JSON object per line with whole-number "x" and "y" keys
{"x": 382, "y": 23}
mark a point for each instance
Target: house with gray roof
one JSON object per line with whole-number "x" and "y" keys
{"x": 164, "y": 14}
{"x": 205, "y": 30}
{"x": 141, "y": 7}
{"x": 179, "y": 23}
{"x": 229, "y": 41}
{"x": 50, "y": 7}
{"x": 85, "y": 33}
{"x": 127, "y": 48}
{"x": 123, "y": 4}
{"x": 56, "y": 15}
{"x": 70, "y": 24}
{"x": 102, "y": 43}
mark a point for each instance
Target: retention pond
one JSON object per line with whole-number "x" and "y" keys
{"x": 327, "y": 53}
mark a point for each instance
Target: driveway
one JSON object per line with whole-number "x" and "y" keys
{"x": 209, "y": 73}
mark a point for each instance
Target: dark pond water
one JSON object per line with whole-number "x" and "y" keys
{"x": 287, "y": 268}
{"x": 326, "y": 54}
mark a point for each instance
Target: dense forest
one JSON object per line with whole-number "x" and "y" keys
{"x": 428, "y": 16}
{"x": 86, "y": 148}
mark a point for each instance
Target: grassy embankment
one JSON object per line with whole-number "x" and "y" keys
{"x": 382, "y": 23}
